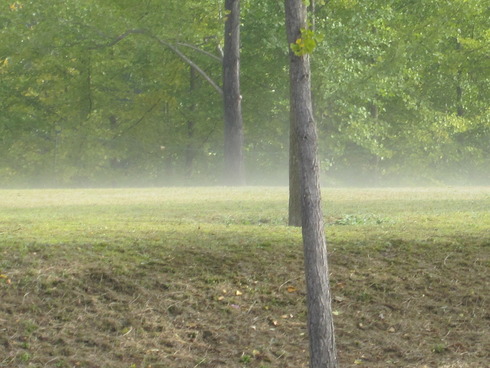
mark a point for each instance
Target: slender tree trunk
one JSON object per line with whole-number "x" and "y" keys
{"x": 77, "y": 152}
{"x": 234, "y": 170}
{"x": 320, "y": 320}
{"x": 190, "y": 150}
{"x": 86, "y": 87}
{"x": 294, "y": 211}
{"x": 459, "y": 95}
{"x": 294, "y": 218}
{"x": 374, "y": 112}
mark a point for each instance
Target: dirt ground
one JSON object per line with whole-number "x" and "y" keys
{"x": 396, "y": 305}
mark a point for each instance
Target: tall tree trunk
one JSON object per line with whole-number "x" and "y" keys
{"x": 294, "y": 209}
{"x": 234, "y": 170}
{"x": 320, "y": 320}
{"x": 190, "y": 150}
{"x": 294, "y": 218}
{"x": 86, "y": 87}
{"x": 374, "y": 112}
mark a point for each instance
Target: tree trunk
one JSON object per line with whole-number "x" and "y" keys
{"x": 374, "y": 112}
{"x": 190, "y": 150}
{"x": 234, "y": 170}
{"x": 459, "y": 95}
{"x": 86, "y": 87}
{"x": 294, "y": 210}
{"x": 320, "y": 321}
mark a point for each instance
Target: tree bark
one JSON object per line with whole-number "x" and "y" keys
{"x": 190, "y": 150}
{"x": 294, "y": 210}
{"x": 234, "y": 170}
{"x": 320, "y": 320}
{"x": 294, "y": 207}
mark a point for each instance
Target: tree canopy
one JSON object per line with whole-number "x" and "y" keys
{"x": 100, "y": 92}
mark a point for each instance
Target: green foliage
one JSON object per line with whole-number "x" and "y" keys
{"x": 387, "y": 77}
{"x": 86, "y": 111}
{"x": 245, "y": 359}
{"x": 399, "y": 89}
{"x": 306, "y": 43}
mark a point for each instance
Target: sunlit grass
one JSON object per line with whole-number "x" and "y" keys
{"x": 79, "y": 216}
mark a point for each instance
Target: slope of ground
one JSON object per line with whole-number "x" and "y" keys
{"x": 213, "y": 278}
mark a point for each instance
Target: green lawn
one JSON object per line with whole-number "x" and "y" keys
{"x": 212, "y": 277}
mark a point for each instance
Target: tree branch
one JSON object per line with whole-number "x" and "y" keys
{"x": 190, "y": 62}
{"x": 171, "y": 47}
{"x": 212, "y": 56}
{"x": 137, "y": 121}
{"x": 119, "y": 38}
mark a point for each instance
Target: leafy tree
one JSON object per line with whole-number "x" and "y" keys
{"x": 118, "y": 88}
{"x": 384, "y": 81}
{"x": 400, "y": 89}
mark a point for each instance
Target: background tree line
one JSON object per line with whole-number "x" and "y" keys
{"x": 400, "y": 91}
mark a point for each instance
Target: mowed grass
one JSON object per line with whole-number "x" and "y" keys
{"x": 213, "y": 277}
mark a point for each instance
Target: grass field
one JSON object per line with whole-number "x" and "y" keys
{"x": 212, "y": 277}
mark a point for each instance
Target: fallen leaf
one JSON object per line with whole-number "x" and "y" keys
{"x": 238, "y": 293}
{"x": 291, "y": 289}
{"x": 273, "y": 322}
{"x": 7, "y": 280}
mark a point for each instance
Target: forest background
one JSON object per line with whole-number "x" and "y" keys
{"x": 401, "y": 92}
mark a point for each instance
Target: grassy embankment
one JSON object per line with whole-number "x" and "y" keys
{"x": 212, "y": 277}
